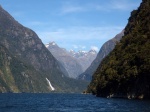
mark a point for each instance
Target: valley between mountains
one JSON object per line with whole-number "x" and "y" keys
{"x": 27, "y": 65}
{"x": 121, "y": 68}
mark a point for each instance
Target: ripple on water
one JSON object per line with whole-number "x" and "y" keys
{"x": 68, "y": 103}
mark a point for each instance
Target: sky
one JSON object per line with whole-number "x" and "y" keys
{"x": 73, "y": 24}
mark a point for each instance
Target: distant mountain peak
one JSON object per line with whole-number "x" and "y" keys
{"x": 73, "y": 59}
{"x": 71, "y": 50}
{"x": 81, "y": 51}
{"x": 92, "y": 51}
{"x": 51, "y": 44}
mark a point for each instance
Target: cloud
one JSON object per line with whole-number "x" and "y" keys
{"x": 121, "y": 5}
{"x": 75, "y": 46}
{"x": 71, "y": 9}
{"x": 83, "y": 47}
{"x": 80, "y": 37}
{"x": 81, "y": 33}
{"x": 95, "y": 48}
{"x": 36, "y": 23}
{"x": 79, "y": 47}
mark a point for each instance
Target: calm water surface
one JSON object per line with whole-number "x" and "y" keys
{"x": 68, "y": 103}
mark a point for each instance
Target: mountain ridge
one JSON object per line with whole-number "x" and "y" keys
{"x": 31, "y": 62}
{"x": 71, "y": 60}
{"x": 104, "y": 51}
{"x": 125, "y": 72}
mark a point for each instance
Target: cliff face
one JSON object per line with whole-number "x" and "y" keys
{"x": 104, "y": 51}
{"x": 126, "y": 71}
{"x": 25, "y": 61}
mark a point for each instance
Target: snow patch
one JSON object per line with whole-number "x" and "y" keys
{"x": 53, "y": 43}
{"x": 47, "y": 45}
{"x": 95, "y": 48}
{"x": 50, "y": 85}
{"x": 82, "y": 51}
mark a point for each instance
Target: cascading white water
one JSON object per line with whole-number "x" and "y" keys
{"x": 50, "y": 85}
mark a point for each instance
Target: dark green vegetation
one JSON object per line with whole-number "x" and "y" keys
{"x": 125, "y": 72}
{"x": 104, "y": 51}
{"x": 25, "y": 63}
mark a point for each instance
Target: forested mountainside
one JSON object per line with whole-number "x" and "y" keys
{"x": 125, "y": 72}
{"x": 25, "y": 63}
{"x": 106, "y": 48}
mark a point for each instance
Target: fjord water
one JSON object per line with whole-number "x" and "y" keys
{"x": 68, "y": 103}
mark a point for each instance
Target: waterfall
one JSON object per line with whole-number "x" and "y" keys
{"x": 50, "y": 85}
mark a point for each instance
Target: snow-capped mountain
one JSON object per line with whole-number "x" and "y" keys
{"x": 75, "y": 63}
{"x": 85, "y": 58}
{"x": 67, "y": 61}
{"x": 51, "y": 44}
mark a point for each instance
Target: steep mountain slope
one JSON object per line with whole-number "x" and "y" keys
{"x": 75, "y": 63}
{"x": 104, "y": 51}
{"x": 16, "y": 76}
{"x": 70, "y": 63}
{"x": 25, "y": 62}
{"x": 126, "y": 71}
